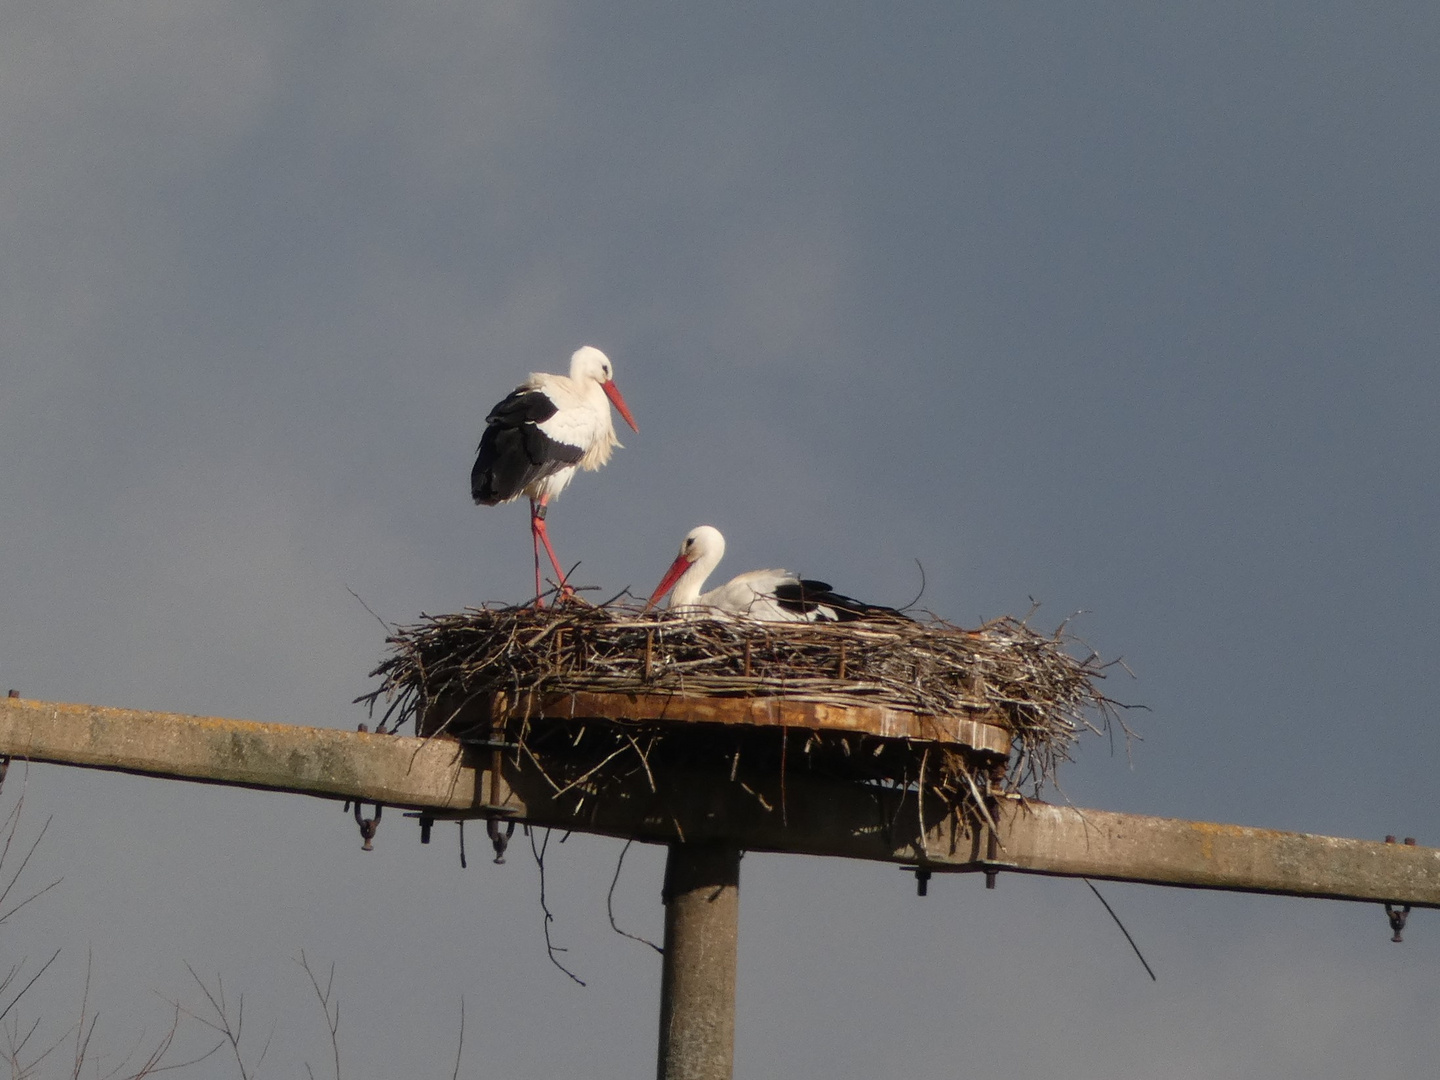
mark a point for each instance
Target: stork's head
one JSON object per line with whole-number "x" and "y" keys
{"x": 702, "y": 545}
{"x": 703, "y": 541}
{"x": 589, "y": 363}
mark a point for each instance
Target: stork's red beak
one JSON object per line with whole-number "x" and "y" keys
{"x": 678, "y": 567}
{"x": 613, "y": 393}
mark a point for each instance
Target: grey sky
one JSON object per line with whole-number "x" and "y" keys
{"x": 1128, "y": 310}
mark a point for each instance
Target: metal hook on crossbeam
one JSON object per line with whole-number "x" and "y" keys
{"x": 368, "y": 826}
{"x": 498, "y": 840}
{"x": 1397, "y": 917}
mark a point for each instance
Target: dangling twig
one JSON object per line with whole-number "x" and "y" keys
{"x": 550, "y": 947}
{"x": 610, "y": 904}
{"x": 1120, "y": 924}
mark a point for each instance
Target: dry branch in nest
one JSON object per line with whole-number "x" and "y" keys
{"x": 1034, "y": 686}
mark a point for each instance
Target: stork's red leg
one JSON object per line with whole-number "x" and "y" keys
{"x": 542, "y": 536}
{"x": 536, "y": 527}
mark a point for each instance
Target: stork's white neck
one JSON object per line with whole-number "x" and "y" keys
{"x": 708, "y": 548}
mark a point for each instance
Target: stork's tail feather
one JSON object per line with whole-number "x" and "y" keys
{"x": 817, "y": 599}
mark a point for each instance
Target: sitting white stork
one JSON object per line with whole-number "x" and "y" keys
{"x": 767, "y": 595}
{"x": 538, "y": 436}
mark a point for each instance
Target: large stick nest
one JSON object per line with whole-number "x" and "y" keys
{"x": 1043, "y": 689}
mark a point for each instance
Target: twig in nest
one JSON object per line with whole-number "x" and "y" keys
{"x": 784, "y": 740}
{"x": 645, "y": 761}
{"x": 389, "y": 627}
{"x": 903, "y": 786}
{"x": 550, "y": 947}
{"x": 764, "y": 802}
{"x": 581, "y": 779}
{"x": 920, "y": 803}
{"x": 610, "y": 904}
{"x": 911, "y": 605}
{"x": 979, "y": 802}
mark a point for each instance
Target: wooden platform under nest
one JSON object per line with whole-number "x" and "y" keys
{"x": 502, "y": 707}
{"x": 606, "y": 700}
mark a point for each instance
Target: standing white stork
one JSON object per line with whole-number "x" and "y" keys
{"x": 536, "y": 438}
{"x": 767, "y": 595}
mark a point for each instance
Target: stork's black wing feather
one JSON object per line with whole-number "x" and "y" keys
{"x": 810, "y": 596}
{"x": 514, "y": 452}
{"x": 522, "y": 406}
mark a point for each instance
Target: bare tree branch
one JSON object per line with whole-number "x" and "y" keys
{"x": 459, "y": 1050}
{"x": 332, "y": 1021}
{"x": 232, "y": 1030}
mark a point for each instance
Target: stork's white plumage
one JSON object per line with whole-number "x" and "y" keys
{"x": 548, "y": 427}
{"x": 767, "y": 595}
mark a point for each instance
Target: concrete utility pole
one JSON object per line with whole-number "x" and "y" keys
{"x": 706, "y": 823}
{"x": 697, "y": 980}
